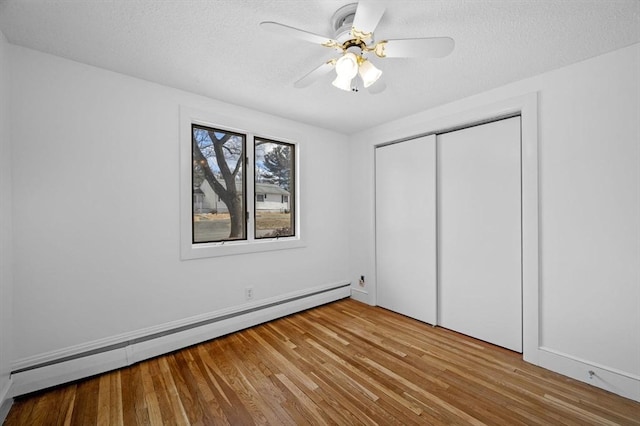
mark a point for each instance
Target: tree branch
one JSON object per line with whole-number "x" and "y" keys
{"x": 208, "y": 174}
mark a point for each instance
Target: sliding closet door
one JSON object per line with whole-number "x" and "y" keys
{"x": 406, "y": 228}
{"x": 479, "y": 232}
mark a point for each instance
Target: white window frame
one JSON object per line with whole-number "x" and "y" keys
{"x": 190, "y": 250}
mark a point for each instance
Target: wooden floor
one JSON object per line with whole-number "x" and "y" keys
{"x": 343, "y": 363}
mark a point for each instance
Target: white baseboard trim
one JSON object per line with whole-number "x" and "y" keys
{"x": 615, "y": 381}
{"x": 360, "y": 295}
{"x": 5, "y": 401}
{"x": 66, "y": 365}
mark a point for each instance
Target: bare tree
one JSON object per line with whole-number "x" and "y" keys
{"x": 225, "y": 148}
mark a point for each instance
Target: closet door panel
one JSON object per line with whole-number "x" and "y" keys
{"x": 479, "y": 232}
{"x": 406, "y": 228}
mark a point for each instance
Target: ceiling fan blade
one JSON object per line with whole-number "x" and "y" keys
{"x": 432, "y": 47}
{"x": 368, "y": 15}
{"x": 287, "y": 31}
{"x": 315, "y": 74}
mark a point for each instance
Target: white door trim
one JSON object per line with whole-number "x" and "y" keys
{"x": 527, "y": 107}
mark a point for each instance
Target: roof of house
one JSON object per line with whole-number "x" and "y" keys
{"x": 270, "y": 188}
{"x": 261, "y": 188}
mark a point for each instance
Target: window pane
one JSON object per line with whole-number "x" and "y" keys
{"x": 274, "y": 181}
{"x": 218, "y": 185}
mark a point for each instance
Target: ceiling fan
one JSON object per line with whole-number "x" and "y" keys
{"x": 354, "y": 25}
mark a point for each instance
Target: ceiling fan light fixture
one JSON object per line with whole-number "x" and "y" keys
{"x": 354, "y": 25}
{"x": 347, "y": 66}
{"x": 346, "y": 69}
{"x": 369, "y": 73}
{"x": 342, "y": 83}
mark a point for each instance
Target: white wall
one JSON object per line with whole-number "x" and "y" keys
{"x": 6, "y": 267}
{"x": 589, "y": 206}
{"x": 96, "y": 229}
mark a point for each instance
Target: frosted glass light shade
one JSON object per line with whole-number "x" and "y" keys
{"x": 346, "y": 68}
{"x": 342, "y": 83}
{"x": 347, "y": 65}
{"x": 369, "y": 73}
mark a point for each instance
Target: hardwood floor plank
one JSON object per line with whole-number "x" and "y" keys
{"x": 200, "y": 387}
{"x": 45, "y": 410}
{"x": 341, "y": 363}
{"x": 21, "y": 411}
{"x": 66, "y": 402}
{"x": 244, "y": 397}
{"x": 155, "y": 394}
{"x": 85, "y": 410}
{"x": 275, "y": 353}
{"x": 116, "y": 414}
{"x": 310, "y": 410}
{"x": 228, "y": 392}
{"x": 339, "y": 397}
{"x": 192, "y": 400}
{"x": 134, "y": 406}
{"x": 177, "y": 410}
{"x": 583, "y": 414}
{"x": 104, "y": 400}
{"x": 265, "y": 396}
{"x": 216, "y": 397}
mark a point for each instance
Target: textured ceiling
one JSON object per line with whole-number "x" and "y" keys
{"x": 217, "y": 49}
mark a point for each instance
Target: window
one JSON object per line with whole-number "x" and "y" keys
{"x": 238, "y": 191}
{"x": 274, "y": 175}
{"x": 217, "y": 178}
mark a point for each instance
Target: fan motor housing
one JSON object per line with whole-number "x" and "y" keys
{"x": 342, "y": 21}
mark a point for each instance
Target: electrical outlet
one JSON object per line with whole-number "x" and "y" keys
{"x": 361, "y": 282}
{"x": 248, "y": 293}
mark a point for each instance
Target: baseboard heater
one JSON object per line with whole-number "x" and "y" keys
{"x": 67, "y": 365}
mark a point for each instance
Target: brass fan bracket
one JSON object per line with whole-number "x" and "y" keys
{"x": 332, "y": 44}
{"x": 360, "y": 35}
{"x": 378, "y": 48}
{"x": 354, "y": 42}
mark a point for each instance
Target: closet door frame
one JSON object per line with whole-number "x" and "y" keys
{"x": 527, "y": 107}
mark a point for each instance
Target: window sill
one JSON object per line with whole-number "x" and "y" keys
{"x": 231, "y": 248}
